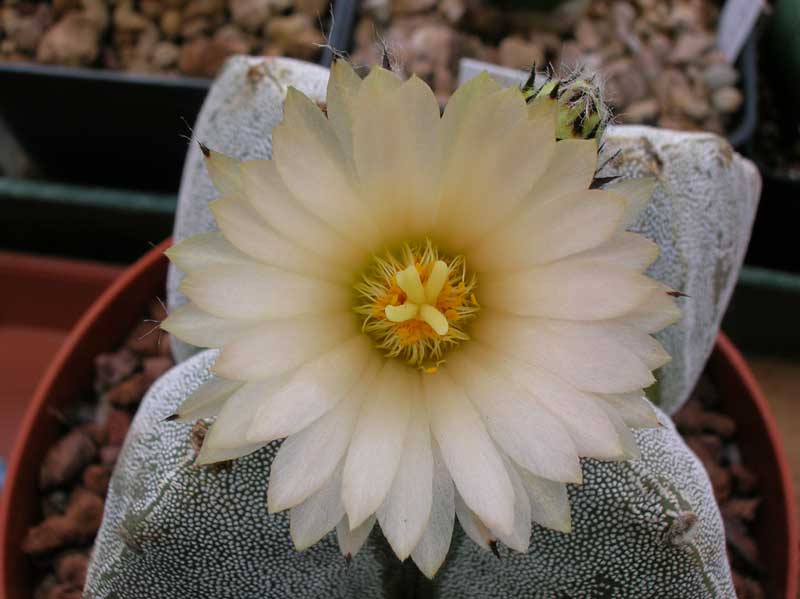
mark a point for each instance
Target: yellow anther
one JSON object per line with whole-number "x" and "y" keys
{"x": 408, "y": 280}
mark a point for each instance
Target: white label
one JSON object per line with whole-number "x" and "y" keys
{"x": 469, "y": 68}
{"x": 735, "y": 24}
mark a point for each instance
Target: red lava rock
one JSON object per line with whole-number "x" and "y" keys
{"x": 144, "y": 339}
{"x": 97, "y": 433}
{"x": 164, "y": 347}
{"x": 718, "y": 423}
{"x": 71, "y": 569}
{"x": 720, "y": 477}
{"x": 96, "y": 477}
{"x": 114, "y": 367}
{"x": 745, "y": 479}
{"x": 85, "y": 513}
{"x": 153, "y": 368}
{"x": 746, "y": 588}
{"x": 130, "y": 391}
{"x": 64, "y": 591}
{"x": 741, "y": 508}
{"x": 42, "y": 590}
{"x": 713, "y": 444}
{"x": 109, "y": 454}
{"x": 54, "y": 503}
{"x": 117, "y": 423}
{"x": 66, "y": 459}
{"x": 54, "y": 533}
{"x": 741, "y": 543}
{"x": 157, "y": 310}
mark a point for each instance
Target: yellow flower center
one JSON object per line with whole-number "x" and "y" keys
{"x": 415, "y": 304}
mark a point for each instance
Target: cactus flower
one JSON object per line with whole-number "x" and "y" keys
{"x": 436, "y": 313}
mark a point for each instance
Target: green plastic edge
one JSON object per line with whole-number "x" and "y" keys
{"x": 89, "y": 197}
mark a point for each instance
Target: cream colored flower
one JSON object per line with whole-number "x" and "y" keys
{"x": 436, "y": 312}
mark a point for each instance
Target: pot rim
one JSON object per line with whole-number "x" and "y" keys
{"x": 42, "y": 394}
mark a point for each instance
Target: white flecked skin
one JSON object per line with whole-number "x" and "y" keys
{"x": 178, "y": 531}
{"x": 701, "y": 215}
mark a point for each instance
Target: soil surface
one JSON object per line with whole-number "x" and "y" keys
{"x": 188, "y": 37}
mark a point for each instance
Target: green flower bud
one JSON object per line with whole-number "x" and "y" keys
{"x": 582, "y": 112}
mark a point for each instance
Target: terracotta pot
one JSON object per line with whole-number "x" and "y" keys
{"x": 31, "y": 331}
{"x": 102, "y": 328}
{"x": 762, "y": 451}
{"x": 106, "y": 324}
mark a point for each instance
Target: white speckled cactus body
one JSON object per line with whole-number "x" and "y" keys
{"x": 648, "y": 528}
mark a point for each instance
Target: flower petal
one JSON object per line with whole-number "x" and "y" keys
{"x": 430, "y": 552}
{"x": 266, "y": 192}
{"x": 571, "y": 289}
{"x": 655, "y": 313}
{"x": 314, "y": 389}
{"x": 212, "y": 455}
{"x": 462, "y": 103}
{"x": 472, "y": 525}
{"x": 280, "y": 345}
{"x": 626, "y": 250}
{"x": 581, "y": 353}
{"x": 343, "y": 86}
{"x": 516, "y": 420}
{"x": 223, "y": 171}
{"x": 637, "y": 193}
{"x": 474, "y": 464}
{"x": 570, "y": 170}
{"x": 317, "y": 515}
{"x": 229, "y": 429}
{"x": 193, "y": 325}
{"x": 404, "y": 513}
{"x": 549, "y": 501}
{"x": 377, "y": 444}
{"x": 245, "y": 229}
{"x": 399, "y": 168}
{"x": 551, "y": 230}
{"x": 260, "y": 292}
{"x": 204, "y": 250}
{"x": 629, "y": 445}
{"x": 208, "y": 399}
{"x": 520, "y": 537}
{"x": 514, "y": 151}
{"x": 319, "y": 174}
{"x": 351, "y": 541}
{"x": 633, "y": 408}
{"x": 592, "y": 433}
{"x": 647, "y": 349}
{"x": 308, "y": 458}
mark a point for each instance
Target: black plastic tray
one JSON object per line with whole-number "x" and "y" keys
{"x": 113, "y": 129}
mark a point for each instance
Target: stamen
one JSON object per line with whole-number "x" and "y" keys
{"x": 415, "y": 304}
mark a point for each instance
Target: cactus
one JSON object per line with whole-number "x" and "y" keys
{"x": 646, "y": 528}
